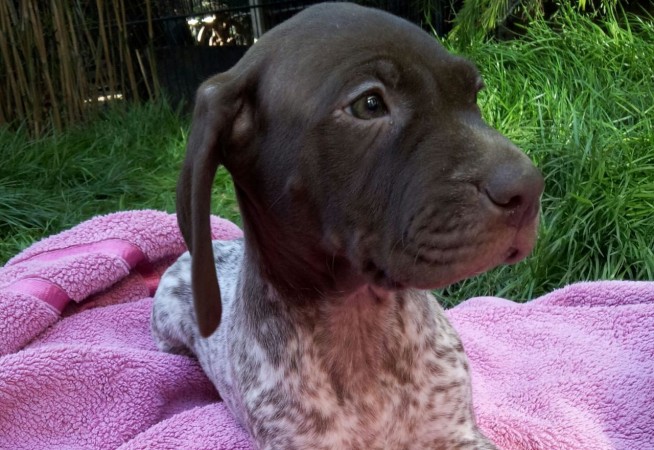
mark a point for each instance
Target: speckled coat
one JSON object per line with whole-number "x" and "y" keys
{"x": 366, "y": 177}
{"x": 388, "y": 373}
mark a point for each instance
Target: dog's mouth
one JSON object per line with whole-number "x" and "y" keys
{"x": 516, "y": 247}
{"x": 523, "y": 243}
{"x": 383, "y": 280}
{"x": 513, "y": 255}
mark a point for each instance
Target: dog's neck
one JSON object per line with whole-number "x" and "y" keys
{"x": 349, "y": 329}
{"x": 287, "y": 272}
{"x": 291, "y": 260}
{"x": 298, "y": 271}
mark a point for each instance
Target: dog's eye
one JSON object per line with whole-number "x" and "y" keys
{"x": 368, "y": 106}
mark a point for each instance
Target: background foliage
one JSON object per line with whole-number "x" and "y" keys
{"x": 476, "y": 19}
{"x": 577, "y": 93}
{"x": 574, "y": 91}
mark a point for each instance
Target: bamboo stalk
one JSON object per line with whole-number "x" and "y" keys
{"x": 32, "y": 94}
{"x": 7, "y": 31}
{"x": 45, "y": 69}
{"x": 96, "y": 54}
{"x": 65, "y": 80}
{"x": 125, "y": 57}
{"x": 145, "y": 76}
{"x": 151, "y": 55}
{"x": 44, "y": 65}
{"x": 5, "y": 70}
{"x": 33, "y": 97}
{"x": 67, "y": 60}
{"x": 120, "y": 61}
{"x": 19, "y": 72}
{"x": 82, "y": 91}
{"x": 116, "y": 65}
{"x": 105, "y": 47}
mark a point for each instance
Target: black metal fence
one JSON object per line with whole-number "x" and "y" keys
{"x": 62, "y": 60}
{"x": 194, "y": 39}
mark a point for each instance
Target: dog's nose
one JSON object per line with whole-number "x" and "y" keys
{"x": 516, "y": 189}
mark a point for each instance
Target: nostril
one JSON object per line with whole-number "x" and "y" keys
{"x": 514, "y": 202}
{"x": 515, "y": 189}
{"x": 510, "y": 203}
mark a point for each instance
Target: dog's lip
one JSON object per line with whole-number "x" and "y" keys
{"x": 513, "y": 255}
{"x": 517, "y": 248}
{"x": 523, "y": 243}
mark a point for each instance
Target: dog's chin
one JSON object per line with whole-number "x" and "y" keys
{"x": 513, "y": 249}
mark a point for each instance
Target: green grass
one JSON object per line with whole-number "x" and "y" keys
{"x": 579, "y": 100}
{"x": 126, "y": 159}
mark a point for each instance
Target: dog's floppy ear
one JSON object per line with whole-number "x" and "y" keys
{"x": 219, "y": 102}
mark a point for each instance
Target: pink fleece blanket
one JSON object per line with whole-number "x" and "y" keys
{"x": 78, "y": 369}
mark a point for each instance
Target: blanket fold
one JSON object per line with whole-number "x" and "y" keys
{"x": 573, "y": 369}
{"x": 37, "y": 284}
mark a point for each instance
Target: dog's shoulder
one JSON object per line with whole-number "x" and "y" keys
{"x": 227, "y": 255}
{"x": 176, "y": 280}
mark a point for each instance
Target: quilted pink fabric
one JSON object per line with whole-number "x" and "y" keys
{"x": 79, "y": 370}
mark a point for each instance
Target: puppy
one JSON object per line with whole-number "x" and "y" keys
{"x": 365, "y": 177}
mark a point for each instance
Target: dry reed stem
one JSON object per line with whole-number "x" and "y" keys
{"x": 56, "y": 58}
{"x": 12, "y": 82}
{"x": 45, "y": 69}
{"x": 151, "y": 56}
{"x": 80, "y": 76}
{"x": 121, "y": 21}
{"x": 105, "y": 47}
{"x": 145, "y": 77}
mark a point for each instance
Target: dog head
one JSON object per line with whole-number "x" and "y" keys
{"x": 359, "y": 156}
